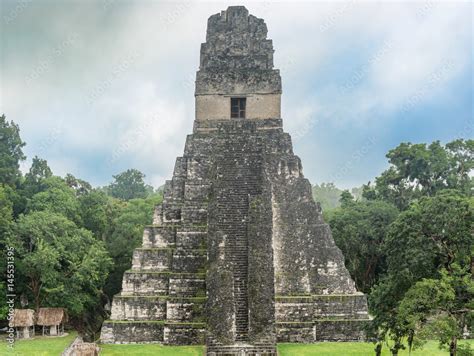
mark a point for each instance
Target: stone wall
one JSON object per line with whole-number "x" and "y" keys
{"x": 258, "y": 106}
{"x": 321, "y": 318}
{"x": 237, "y": 60}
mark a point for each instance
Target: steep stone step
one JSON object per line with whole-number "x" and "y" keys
{"x": 158, "y": 236}
{"x": 189, "y": 261}
{"x": 138, "y": 308}
{"x": 191, "y": 239}
{"x": 142, "y": 307}
{"x": 152, "y": 331}
{"x": 163, "y": 283}
{"x": 145, "y": 283}
{"x": 152, "y": 259}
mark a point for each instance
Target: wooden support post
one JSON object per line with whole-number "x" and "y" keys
{"x": 26, "y": 332}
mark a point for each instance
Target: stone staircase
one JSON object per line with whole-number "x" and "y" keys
{"x": 239, "y": 175}
{"x": 233, "y": 201}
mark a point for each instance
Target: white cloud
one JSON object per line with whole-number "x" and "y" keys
{"x": 415, "y": 45}
{"x": 399, "y": 48}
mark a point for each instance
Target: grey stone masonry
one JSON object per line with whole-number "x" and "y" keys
{"x": 238, "y": 256}
{"x": 237, "y": 57}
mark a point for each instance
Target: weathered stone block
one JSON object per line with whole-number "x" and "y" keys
{"x": 185, "y": 310}
{"x": 152, "y": 259}
{"x": 145, "y": 283}
{"x": 158, "y": 236}
{"x": 189, "y": 260}
{"x": 127, "y": 332}
{"x": 184, "y": 334}
{"x": 197, "y": 169}
{"x": 352, "y": 306}
{"x": 180, "y": 168}
{"x": 138, "y": 308}
{"x": 196, "y": 192}
{"x": 340, "y": 330}
{"x": 191, "y": 239}
{"x": 192, "y": 213}
{"x": 157, "y": 215}
{"x": 172, "y": 212}
{"x": 187, "y": 285}
{"x": 294, "y": 311}
{"x": 295, "y": 332}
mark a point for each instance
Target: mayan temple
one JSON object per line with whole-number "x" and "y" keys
{"x": 238, "y": 256}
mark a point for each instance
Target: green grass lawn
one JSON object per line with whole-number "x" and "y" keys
{"x": 39, "y": 346}
{"x": 353, "y": 349}
{"x": 320, "y": 349}
{"x": 45, "y": 346}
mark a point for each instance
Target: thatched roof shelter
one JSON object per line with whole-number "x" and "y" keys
{"x": 23, "y": 318}
{"x": 51, "y": 316}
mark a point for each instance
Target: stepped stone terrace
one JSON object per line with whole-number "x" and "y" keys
{"x": 238, "y": 256}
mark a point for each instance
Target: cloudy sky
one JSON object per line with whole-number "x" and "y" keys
{"x": 101, "y": 86}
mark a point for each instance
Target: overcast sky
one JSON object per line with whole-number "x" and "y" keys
{"x": 98, "y": 87}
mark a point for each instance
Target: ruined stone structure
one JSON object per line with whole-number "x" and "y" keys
{"x": 238, "y": 256}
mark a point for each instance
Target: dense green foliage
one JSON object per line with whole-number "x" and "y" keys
{"x": 430, "y": 242}
{"x": 72, "y": 242}
{"x": 409, "y": 244}
{"x": 61, "y": 263}
{"x": 418, "y": 170}
{"x": 124, "y": 233}
{"x": 129, "y": 185}
{"x": 11, "y": 152}
{"x": 359, "y": 229}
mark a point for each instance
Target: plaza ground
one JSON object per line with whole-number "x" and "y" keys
{"x": 46, "y": 346}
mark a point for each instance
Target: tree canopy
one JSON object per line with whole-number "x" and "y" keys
{"x": 129, "y": 185}
{"x": 431, "y": 239}
{"x": 418, "y": 170}
{"x": 11, "y": 151}
{"x": 72, "y": 241}
{"x": 359, "y": 230}
{"x": 415, "y": 221}
{"x": 63, "y": 265}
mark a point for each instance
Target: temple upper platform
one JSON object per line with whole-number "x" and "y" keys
{"x": 236, "y": 79}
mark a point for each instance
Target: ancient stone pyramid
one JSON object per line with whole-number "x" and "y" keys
{"x": 238, "y": 256}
